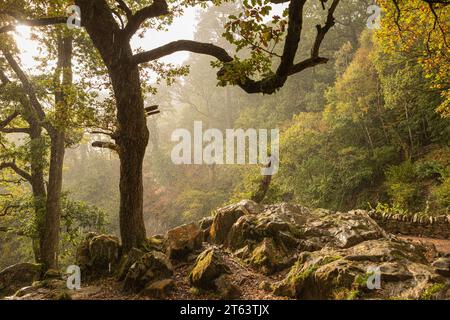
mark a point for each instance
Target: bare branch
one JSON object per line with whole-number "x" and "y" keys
{"x": 16, "y": 169}
{"x": 183, "y": 45}
{"x": 8, "y": 119}
{"x": 15, "y": 130}
{"x": 40, "y": 22}
{"x": 27, "y": 86}
{"x": 105, "y": 145}
{"x": 123, "y": 6}
{"x": 156, "y": 9}
{"x": 323, "y": 30}
{"x": 3, "y": 78}
{"x": 287, "y": 66}
{"x": 8, "y": 208}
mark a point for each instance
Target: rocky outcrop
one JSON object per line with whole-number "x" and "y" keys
{"x": 17, "y": 276}
{"x": 151, "y": 267}
{"x": 208, "y": 267}
{"x": 127, "y": 261}
{"x": 159, "y": 289}
{"x": 227, "y": 216}
{"x": 183, "y": 240}
{"x": 442, "y": 266}
{"x": 331, "y": 255}
{"x": 400, "y": 268}
{"x": 269, "y": 237}
{"x": 98, "y": 255}
{"x": 278, "y": 251}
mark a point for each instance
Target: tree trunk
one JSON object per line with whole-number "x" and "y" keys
{"x": 38, "y": 186}
{"x": 62, "y": 80}
{"x": 132, "y": 132}
{"x": 132, "y": 140}
{"x": 50, "y": 241}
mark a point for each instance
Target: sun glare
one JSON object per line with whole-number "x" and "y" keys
{"x": 28, "y": 48}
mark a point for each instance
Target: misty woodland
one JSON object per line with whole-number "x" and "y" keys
{"x": 252, "y": 149}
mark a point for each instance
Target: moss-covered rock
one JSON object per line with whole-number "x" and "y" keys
{"x": 52, "y": 274}
{"x": 398, "y": 267}
{"x": 149, "y": 268}
{"x": 159, "y": 289}
{"x": 225, "y": 217}
{"x": 226, "y": 289}
{"x": 269, "y": 257}
{"x": 98, "y": 255}
{"x": 208, "y": 266}
{"x": 127, "y": 261}
{"x": 436, "y": 291}
{"x": 183, "y": 240}
{"x": 17, "y": 276}
{"x": 105, "y": 253}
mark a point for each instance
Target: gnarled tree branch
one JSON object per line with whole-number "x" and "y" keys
{"x": 8, "y": 120}
{"x": 40, "y": 22}
{"x": 16, "y": 169}
{"x": 156, "y": 9}
{"x": 106, "y": 145}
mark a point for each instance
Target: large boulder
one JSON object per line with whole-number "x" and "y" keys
{"x": 399, "y": 268}
{"x": 205, "y": 227}
{"x": 226, "y": 289}
{"x": 225, "y": 217}
{"x": 183, "y": 240}
{"x": 105, "y": 252}
{"x": 208, "y": 266}
{"x": 269, "y": 257}
{"x": 127, "y": 261}
{"x": 83, "y": 255}
{"x": 442, "y": 266}
{"x": 151, "y": 267}
{"x": 269, "y": 237}
{"x": 159, "y": 289}
{"x": 17, "y": 276}
{"x": 98, "y": 255}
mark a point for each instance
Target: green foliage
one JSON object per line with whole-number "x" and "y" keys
{"x": 383, "y": 208}
{"x": 442, "y": 193}
{"x": 78, "y": 218}
{"x": 20, "y": 226}
{"x": 402, "y": 187}
{"x": 197, "y": 203}
{"x": 429, "y": 292}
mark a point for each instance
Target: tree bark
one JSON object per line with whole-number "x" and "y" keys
{"x": 38, "y": 186}
{"x": 62, "y": 79}
{"x": 132, "y": 140}
{"x": 132, "y": 133}
{"x": 50, "y": 240}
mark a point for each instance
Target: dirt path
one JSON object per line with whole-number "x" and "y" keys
{"x": 441, "y": 245}
{"x": 245, "y": 278}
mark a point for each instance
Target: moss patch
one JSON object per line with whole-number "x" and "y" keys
{"x": 428, "y": 293}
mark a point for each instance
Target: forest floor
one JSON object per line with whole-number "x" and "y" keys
{"x": 248, "y": 280}
{"x": 441, "y": 245}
